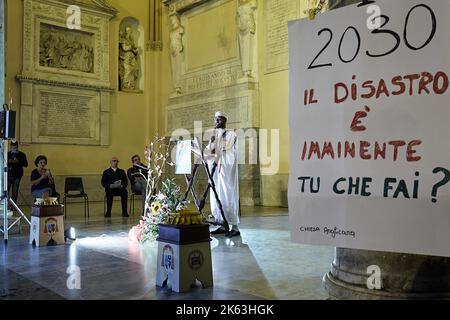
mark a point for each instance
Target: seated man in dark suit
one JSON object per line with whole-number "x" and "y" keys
{"x": 136, "y": 176}
{"x": 115, "y": 182}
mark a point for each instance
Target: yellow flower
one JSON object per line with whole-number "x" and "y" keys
{"x": 155, "y": 206}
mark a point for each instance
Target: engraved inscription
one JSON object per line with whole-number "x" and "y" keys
{"x": 236, "y": 108}
{"x": 64, "y": 115}
{"x": 217, "y": 79}
{"x": 277, "y": 15}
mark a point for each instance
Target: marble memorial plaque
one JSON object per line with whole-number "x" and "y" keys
{"x": 65, "y": 116}
{"x": 184, "y": 117}
{"x": 213, "y": 80}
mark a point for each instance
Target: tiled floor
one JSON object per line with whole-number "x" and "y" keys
{"x": 261, "y": 264}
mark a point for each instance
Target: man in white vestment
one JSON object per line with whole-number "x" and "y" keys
{"x": 223, "y": 150}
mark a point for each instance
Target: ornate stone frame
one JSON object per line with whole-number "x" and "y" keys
{"x": 95, "y": 17}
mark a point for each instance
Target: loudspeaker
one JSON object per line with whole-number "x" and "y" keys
{"x": 8, "y": 124}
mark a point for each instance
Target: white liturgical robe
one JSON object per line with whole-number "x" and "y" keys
{"x": 225, "y": 177}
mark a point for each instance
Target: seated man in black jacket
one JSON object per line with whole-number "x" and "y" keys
{"x": 136, "y": 176}
{"x": 115, "y": 182}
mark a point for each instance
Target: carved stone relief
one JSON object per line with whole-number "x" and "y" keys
{"x": 66, "y": 49}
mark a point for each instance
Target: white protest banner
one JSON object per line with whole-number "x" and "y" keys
{"x": 369, "y": 120}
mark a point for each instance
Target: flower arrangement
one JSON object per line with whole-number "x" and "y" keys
{"x": 166, "y": 202}
{"x": 157, "y": 157}
{"x": 163, "y": 202}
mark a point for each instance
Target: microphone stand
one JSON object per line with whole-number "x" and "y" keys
{"x": 211, "y": 186}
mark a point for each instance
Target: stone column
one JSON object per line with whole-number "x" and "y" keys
{"x": 403, "y": 276}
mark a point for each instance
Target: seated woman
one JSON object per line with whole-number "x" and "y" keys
{"x": 42, "y": 182}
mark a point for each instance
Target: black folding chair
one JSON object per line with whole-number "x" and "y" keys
{"x": 75, "y": 184}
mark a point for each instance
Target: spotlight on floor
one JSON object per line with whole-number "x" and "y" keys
{"x": 70, "y": 234}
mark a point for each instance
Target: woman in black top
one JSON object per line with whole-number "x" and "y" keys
{"x": 41, "y": 179}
